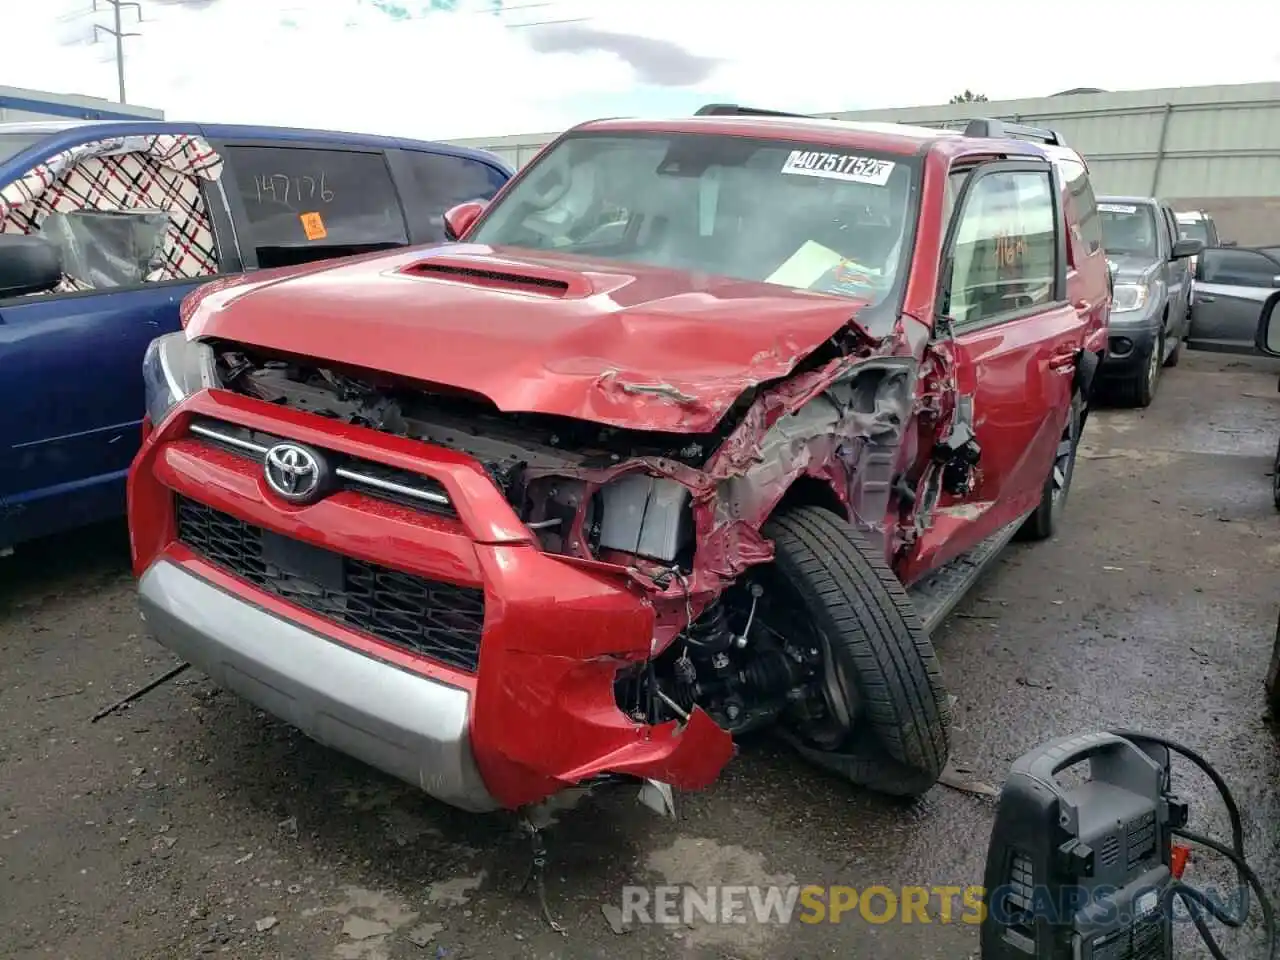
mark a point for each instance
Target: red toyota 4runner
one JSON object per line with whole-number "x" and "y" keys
{"x": 701, "y": 426}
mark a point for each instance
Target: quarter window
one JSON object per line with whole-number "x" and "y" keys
{"x": 305, "y": 204}
{"x": 1005, "y": 253}
{"x": 444, "y": 181}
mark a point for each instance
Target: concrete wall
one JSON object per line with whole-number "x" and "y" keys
{"x": 17, "y": 103}
{"x": 1205, "y": 148}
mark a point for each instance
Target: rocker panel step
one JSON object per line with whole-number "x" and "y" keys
{"x": 936, "y": 595}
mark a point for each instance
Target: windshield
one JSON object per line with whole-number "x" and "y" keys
{"x": 831, "y": 220}
{"x": 12, "y": 144}
{"x": 1128, "y": 229}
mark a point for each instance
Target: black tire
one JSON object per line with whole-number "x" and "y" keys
{"x": 1273, "y": 678}
{"x": 899, "y": 707}
{"x": 1275, "y": 479}
{"x": 1174, "y": 356}
{"x": 1140, "y": 389}
{"x": 1044, "y": 523}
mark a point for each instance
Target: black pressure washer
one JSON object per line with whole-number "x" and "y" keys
{"x": 1091, "y": 871}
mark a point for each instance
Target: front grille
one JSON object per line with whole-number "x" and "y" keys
{"x": 440, "y": 621}
{"x": 363, "y": 476}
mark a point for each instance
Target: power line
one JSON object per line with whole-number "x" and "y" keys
{"x": 117, "y": 32}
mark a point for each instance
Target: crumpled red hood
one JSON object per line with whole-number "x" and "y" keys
{"x": 618, "y": 344}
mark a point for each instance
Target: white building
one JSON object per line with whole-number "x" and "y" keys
{"x": 17, "y": 103}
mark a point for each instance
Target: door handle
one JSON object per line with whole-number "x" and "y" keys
{"x": 1063, "y": 361}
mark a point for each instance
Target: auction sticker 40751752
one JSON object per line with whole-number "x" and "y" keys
{"x": 838, "y": 166}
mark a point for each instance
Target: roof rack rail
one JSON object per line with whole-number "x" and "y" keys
{"x": 1003, "y": 130}
{"x": 736, "y": 110}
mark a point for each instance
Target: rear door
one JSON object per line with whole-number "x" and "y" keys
{"x": 136, "y": 228}
{"x": 1015, "y": 342}
{"x": 296, "y": 201}
{"x": 1232, "y": 283}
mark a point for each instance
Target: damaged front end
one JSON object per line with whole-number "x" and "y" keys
{"x": 672, "y": 522}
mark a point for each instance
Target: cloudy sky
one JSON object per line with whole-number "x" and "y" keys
{"x": 464, "y": 68}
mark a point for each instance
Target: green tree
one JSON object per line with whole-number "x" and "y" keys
{"x": 969, "y": 97}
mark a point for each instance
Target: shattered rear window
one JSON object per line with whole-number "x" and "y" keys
{"x": 833, "y": 220}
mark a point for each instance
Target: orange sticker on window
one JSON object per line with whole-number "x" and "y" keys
{"x": 313, "y": 226}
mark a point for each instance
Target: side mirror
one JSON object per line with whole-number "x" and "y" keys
{"x": 458, "y": 220}
{"x": 28, "y": 265}
{"x": 1187, "y": 248}
{"x": 1268, "y": 338}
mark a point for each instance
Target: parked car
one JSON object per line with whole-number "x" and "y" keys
{"x": 1267, "y": 338}
{"x": 1150, "y": 315}
{"x": 562, "y": 502}
{"x": 139, "y": 214}
{"x": 1196, "y": 225}
{"x": 1232, "y": 283}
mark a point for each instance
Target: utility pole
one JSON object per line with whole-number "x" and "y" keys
{"x": 117, "y": 32}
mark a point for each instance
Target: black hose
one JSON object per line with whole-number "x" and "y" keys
{"x": 1246, "y": 877}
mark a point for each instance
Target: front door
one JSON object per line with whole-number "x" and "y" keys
{"x": 135, "y": 237}
{"x": 1014, "y": 345}
{"x": 1231, "y": 285}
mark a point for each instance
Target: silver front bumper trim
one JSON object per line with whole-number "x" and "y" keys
{"x": 409, "y": 726}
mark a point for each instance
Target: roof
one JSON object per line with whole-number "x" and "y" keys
{"x": 65, "y": 133}
{"x": 886, "y": 137}
{"x": 41, "y": 126}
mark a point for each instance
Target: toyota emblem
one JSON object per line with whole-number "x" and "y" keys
{"x": 294, "y": 473}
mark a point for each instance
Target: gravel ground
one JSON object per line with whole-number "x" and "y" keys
{"x": 192, "y": 825}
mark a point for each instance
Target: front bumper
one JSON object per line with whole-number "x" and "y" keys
{"x": 1129, "y": 342}
{"x": 534, "y": 712}
{"x": 409, "y": 726}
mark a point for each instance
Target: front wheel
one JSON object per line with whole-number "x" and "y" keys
{"x": 1140, "y": 390}
{"x": 887, "y": 722}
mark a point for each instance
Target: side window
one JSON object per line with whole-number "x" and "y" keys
{"x": 1243, "y": 268}
{"x": 1081, "y": 189}
{"x": 444, "y": 181}
{"x": 307, "y": 204}
{"x": 1005, "y": 253}
{"x": 122, "y": 213}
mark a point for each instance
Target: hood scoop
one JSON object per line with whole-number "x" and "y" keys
{"x": 516, "y": 278}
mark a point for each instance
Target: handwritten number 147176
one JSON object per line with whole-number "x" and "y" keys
{"x": 283, "y": 188}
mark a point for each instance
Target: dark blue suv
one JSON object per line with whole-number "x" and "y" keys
{"x": 106, "y": 226}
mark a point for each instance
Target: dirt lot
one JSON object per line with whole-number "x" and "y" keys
{"x": 181, "y": 827}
